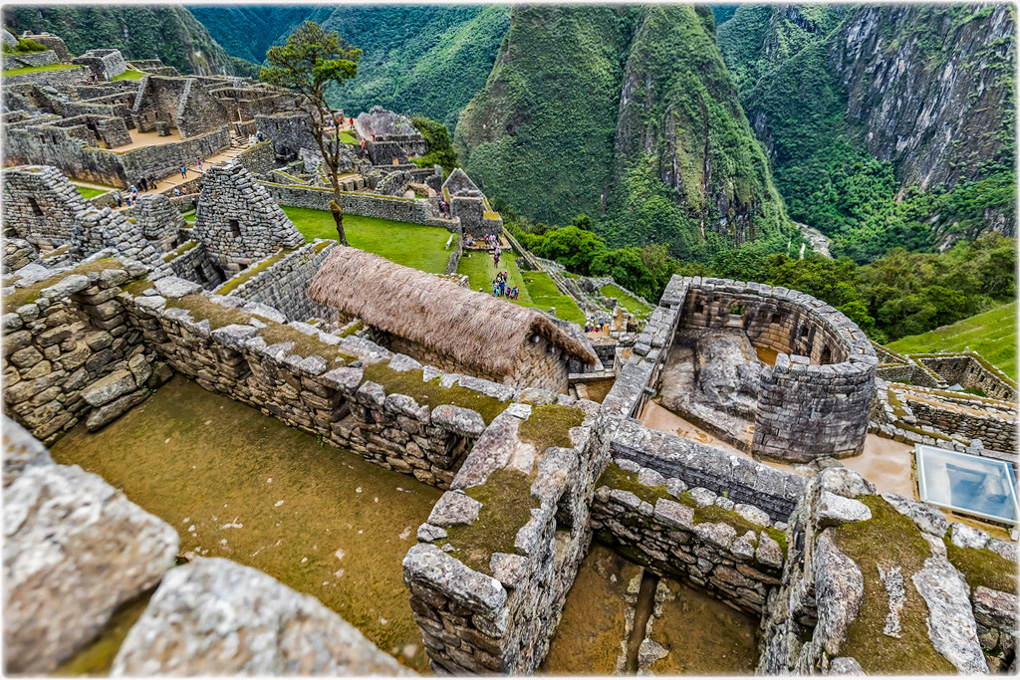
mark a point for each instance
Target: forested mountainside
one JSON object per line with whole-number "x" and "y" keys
{"x": 886, "y": 125}
{"x": 628, "y": 116}
{"x": 248, "y": 31}
{"x": 428, "y": 60}
{"x": 167, "y": 32}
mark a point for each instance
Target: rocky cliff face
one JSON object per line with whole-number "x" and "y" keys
{"x": 886, "y": 125}
{"x": 929, "y": 87}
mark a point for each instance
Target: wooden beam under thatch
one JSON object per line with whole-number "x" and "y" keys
{"x": 474, "y": 329}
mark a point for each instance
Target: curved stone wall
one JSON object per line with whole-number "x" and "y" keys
{"x": 814, "y": 401}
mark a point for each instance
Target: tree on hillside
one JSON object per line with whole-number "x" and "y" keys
{"x": 309, "y": 63}
{"x": 441, "y": 151}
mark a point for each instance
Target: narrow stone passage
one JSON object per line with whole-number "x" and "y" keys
{"x": 642, "y": 612}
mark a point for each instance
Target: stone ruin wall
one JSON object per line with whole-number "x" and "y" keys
{"x": 499, "y": 616}
{"x": 40, "y": 205}
{"x": 103, "y": 62}
{"x": 67, "y": 339}
{"x": 816, "y": 400}
{"x": 238, "y": 221}
{"x": 971, "y": 372}
{"x": 159, "y": 221}
{"x": 816, "y": 620}
{"x": 49, "y": 145}
{"x": 192, "y": 262}
{"x": 18, "y": 253}
{"x": 539, "y": 364}
{"x": 284, "y": 285}
{"x": 416, "y": 211}
{"x": 60, "y": 78}
{"x": 288, "y": 131}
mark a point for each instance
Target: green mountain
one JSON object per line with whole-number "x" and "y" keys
{"x": 248, "y": 31}
{"x": 886, "y": 126}
{"x": 168, "y": 32}
{"x": 626, "y": 115}
{"x": 427, "y": 60}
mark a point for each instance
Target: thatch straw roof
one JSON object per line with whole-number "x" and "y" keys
{"x": 474, "y": 329}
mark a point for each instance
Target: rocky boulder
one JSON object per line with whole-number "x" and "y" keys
{"x": 75, "y": 549}
{"x": 216, "y": 617}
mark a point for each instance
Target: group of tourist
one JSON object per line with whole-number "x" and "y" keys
{"x": 146, "y": 183}
{"x": 444, "y": 209}
{"x": 596, "y": 324}
{"x": 183, "y": 191}
{"x": 256, "y": 138}
{"x": 501, "y": 287}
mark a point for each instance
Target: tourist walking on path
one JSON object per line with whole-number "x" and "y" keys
{"x": 116, "y": 198}
{"x": 152, "y": 182}
{"x": 200, "y": 165}
{"x": 134, "y": 191}
{"x": 184, "y": 172}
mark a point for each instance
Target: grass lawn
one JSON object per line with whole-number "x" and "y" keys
{"x": 129, "y": 75}
{"x": 991, "y": 334}
{"x": 36, "y": 69}
{"x": 628, "y": 302}
{"x": 89, "y": 192}
{"x": 411, "y": 245}
{"x": 189, "y": 216}
{"x": 348, "y": 138}
{"x": 536, "y": 288}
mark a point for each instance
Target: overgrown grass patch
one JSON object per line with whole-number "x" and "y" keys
{"x": 506, "y": 507}
{"x": 639, "y": 309}
{"x": 983, "y": 568}
{"x": 28, "y": 294}
{"x": 411, "y": 245}
{"x": 431, "y": 393}
{"x": 252, "y": 272}
{"x": 35, "y": 69}
{"x": 901, "y": 545}
{"x": 550, "y": 426}
{"x": 89, "y": 192}
{"x": 991, "y": 334}
{"x": 129, "y": 74}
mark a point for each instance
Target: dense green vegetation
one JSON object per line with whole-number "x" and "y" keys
{"x": 540, "y": 134}
{"x": 992, "y": 334}
{"x": 427, "y": 60}
{"x": 441, "y": 151}
{"x": 167, "y": 32}
{"x": 247, "y": 31}
{"x": 782, "y": 59}
{"x": 899, "y": 294}
{"x": 411, "y": 245}
{"x": 24, "y": 46}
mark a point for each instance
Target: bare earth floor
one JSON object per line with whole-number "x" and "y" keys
{"x": 238, "y": 484}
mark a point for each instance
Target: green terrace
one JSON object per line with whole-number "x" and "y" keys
{"x": 411, "y": 245}
{"x": 992, "y": 334}
{"x": 35, "y": 69}
{"x": 639, "y": 309}
{"x": 537, "y": 289}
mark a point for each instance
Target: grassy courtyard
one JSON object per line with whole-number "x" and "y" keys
{"x": 536, "y": 288}
{"x": 992, "y": 334}
{"x": 639, "y": 309}
{"x": 130, "y": 74}
{"x": 411, "y": 245}
{"x": 89, "y": 192}
{"x": 35, "y": 69}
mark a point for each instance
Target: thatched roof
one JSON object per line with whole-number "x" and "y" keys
{"x": 472, "y": 328}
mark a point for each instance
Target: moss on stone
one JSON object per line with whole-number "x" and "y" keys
{"x": 179, "y": 250}
{"x": 430, "y": 393}
{"x": 506, "y": 507}
{"x": 252, "y": 272}
{"x": 616, "y": 477}
{"x": 901, "y": 545}
{"x": 983, "y": 567}
{"x": 202, "y": 308}
{"x": 351, "y": 329}
{"x": 29, "y": 294}
{"x": 138, "y": 288}
{"x": 550, "y": 426}
{"x": 304, "y": 345}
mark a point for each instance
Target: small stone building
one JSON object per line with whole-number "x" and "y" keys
{"x": 444, "y": 325}
{"x": 238, "y": 221}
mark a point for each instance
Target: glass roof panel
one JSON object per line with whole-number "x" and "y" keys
{"x": 983, "y": 487}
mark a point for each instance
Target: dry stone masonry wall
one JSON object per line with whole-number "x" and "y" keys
{"x": 238, "y": 221}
